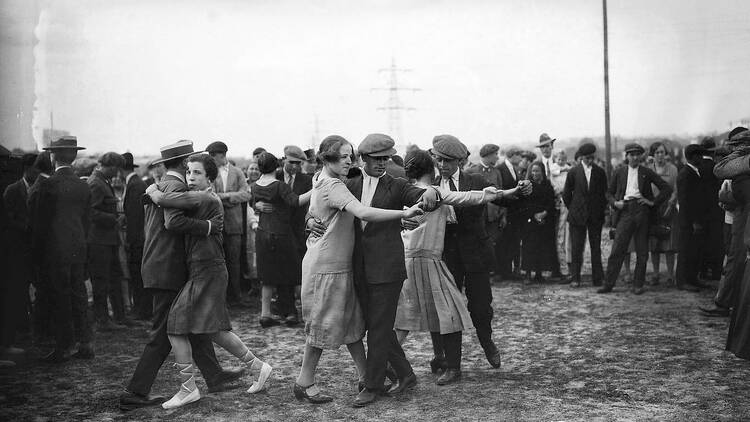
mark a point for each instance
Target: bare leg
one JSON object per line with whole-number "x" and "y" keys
{"x": 234, "y": 345}
{"x": 310, "y": 361}
{"x": 357, "y": 350}
{"x": 183, "y": 353}
{"x": 401, "y": 335}
{"x": 265, "y": 301}
{"x": 188, "y": 392}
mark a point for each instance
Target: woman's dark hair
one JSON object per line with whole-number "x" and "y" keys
{"x": 418, "y": 163}
{"x": 328, "y": 152}
{"x": 209, "y": 164}
{"x": 541, "y": 167}
{"x": 267, "y": 162}
{"x": 652, "y": 149}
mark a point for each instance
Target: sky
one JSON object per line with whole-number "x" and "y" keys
{"x": 136, "y": 74}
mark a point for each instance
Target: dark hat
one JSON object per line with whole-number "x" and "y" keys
{"x": 294, "y": 153}
{"x": 4, "y": 152}
{"x": 112, "y": 159}
{"x": 735, "y": 131}
{"x": 694, "y": 149}
{"x": 708, "y": 143}
{"x": 377, "y": 145}
{"x": 512, "y": 151}
{"x": 448, "y": 146}
{"x": 633, "y": 147}
{"x": 310, "y": 154}
{"x": 28, "y": 159}
{"x": 129, "y": 161}
{"x": 398, "y": 160}
{"x": 544, "y": 139}
{"x": 258, "y": 151}
{"x": 66, "y": 142}
{"x": 586, "y": 149}
{"x": 179, "y": 149}
{"x": 217, "y": 146}
{"x": 488, "y": 149}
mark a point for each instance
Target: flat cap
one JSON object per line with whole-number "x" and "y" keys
{"x": 633, "y": 147}
{"x": 448, "y": 146}
{"x": 586, "y": 149}
{"x": 377, "y": 145}
{"x": 294, "y": 153}
{"x": 258, "y": 151}
{"x": 217, "y": 146}
{"x": 545, "y": 139}
{"x": 488, "y": 149}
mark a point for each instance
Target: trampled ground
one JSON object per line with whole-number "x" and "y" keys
{"x": 569, "y": 354}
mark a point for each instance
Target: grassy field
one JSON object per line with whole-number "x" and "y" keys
{"x": 568, "y": 354}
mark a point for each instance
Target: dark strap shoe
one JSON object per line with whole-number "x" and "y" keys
{"x": 225, "y": 380}
{"x": 450, "y": 376}
{"x": 302, "y": 393}
{"x": 492, "y": 355}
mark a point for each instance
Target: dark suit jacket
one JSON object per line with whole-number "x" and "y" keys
{"x": 134, "y": 214}
{"x": 509, "y": 182}
{"x": 164, "y": 262}
{"x": 302, "y": 184}
{"x": 103, "y": 211}
{"x": 378, "y": 249}
{"x": 493, "y": 177}
{"x": 586, "y": 202}
{"x": 15, "y": 198}
{"x": 60, "y": 209}
{"x": 692, "y": 198}
{"x": 473, "y": 241}
{"x": 646, "y": 177}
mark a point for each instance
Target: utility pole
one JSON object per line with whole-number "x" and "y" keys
{"x": 395, "y": 106}
{"x": 607, "y": 140}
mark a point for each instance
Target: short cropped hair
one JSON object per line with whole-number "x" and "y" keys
{"x": 209, "y": 164}
{"x": 328, "y": 152}
{"x": 267, "y": 162}
{"x": 418, "y": 163}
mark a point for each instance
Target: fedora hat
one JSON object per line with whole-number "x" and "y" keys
{"x": 545, "y": 139}
{"x": 66, "y": 142}
{"x": 180, "y": 149}
{"x": 129, "y": 165}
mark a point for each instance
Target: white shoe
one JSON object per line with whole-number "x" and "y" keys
{"x": 183, "y": 397}
{"x": 258, "y": 386}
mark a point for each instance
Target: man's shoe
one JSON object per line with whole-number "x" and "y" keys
{"x": 407, "y": 383}
{"x": 493, "y": 355}
{"x": 223, "y": 381}
{"x": 364, "y": 398}
{"x": 56, "y": 356}
{"x": 688, "y": 288}
{"x": 450, "y": 376}
{"x": 605, "y": 289}
{"x": 438, "y": 364}
{"x": 291, "y": 320}
{"x": 85, "y": 352}
{"x": 131, "y": 401}
{"x": 266, "y": 322}
{"x": 638, "y": 290}
{"x": 716, "y": 311}
{"x": 566, "y": 280}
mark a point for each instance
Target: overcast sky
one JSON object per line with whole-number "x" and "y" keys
{"x": 134, "y": 75}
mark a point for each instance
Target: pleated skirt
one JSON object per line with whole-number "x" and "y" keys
{"x": 430, "y": 300}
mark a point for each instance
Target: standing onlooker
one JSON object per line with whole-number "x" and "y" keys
{"x": 538, "y": 238}
{"x": 60, "y": 211}
{"x": 104, "y": 268}
{"x": 300, "y": 183}
{"x": 631, "y": 194}
{"x": 508, "y": 255}
{"x": 155, "y": 172}
{"x": 546, "y": 143}
{"x": 585, "y": 195}
{"x": 134, "y": 220}
{"x": 253, "y": 174}
{"x": 665, "y": 215}
{"x": 559, "y": 173}
{"x": 712, "y": 260}
{"x": 693, "y": 216}
{"x": 233, "y": 191}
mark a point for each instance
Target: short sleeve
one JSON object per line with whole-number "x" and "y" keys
{"x": 335, "y": 193}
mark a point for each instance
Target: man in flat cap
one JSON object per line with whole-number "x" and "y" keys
{"x": 495, "y": 214}
{"x": 60, "y": 210}
{"x": 291, "y": 174}
{"x": 231, "y": 187}
{"x": 508, "y": 256}
{"x": 585, "y": 196}
{"x": 135, "y": 187}
{"x": 379, "y": 264}
{"x": 104, "y": 241}
{"x": 631, "y": 195}
{"x": 467, "y": 245}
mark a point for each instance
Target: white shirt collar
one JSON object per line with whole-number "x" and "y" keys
{"x": 694, "y": 168}
{"x": 177, "y": 175}
{"x": 128, "y": 177}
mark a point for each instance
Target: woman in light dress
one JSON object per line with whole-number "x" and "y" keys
{"x": 330, "y": 308}
{"x": 666, "y": 214}
{"x": 430, "y": 300}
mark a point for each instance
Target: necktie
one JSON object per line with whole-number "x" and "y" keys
{"x": 546, "y": 166}
{"x": 452, "y": 212}
{"x": 452, "y": 185}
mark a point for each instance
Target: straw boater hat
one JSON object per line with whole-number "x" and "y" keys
{"x": 66, "y": 142}
{"x": 179, "y": 149}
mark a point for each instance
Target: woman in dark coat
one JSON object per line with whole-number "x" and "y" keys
{"x": 538, "y": 234}
{"x": 275, "y": 245}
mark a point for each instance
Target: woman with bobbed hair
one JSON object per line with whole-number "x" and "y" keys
{"x": 330, "y": 307}
{"x": 275, "y": 248}
{"x": 662, "y": 241}
{"x": 200, "y": 306}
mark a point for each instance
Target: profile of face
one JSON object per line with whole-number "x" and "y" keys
{"x": 490, "y": 159}
{"x": 342, "y": 166}
{"x": 634, "y": 158}
{"x": 446, "y": 166}
{"x": 546, "y": 150}
{"x": 660, "y": 155}
{"x": 537, "y": 175}
{"x": 157, "y": 172}
{"x": 292, "y": 167}
{"x": 196, "y": 176}
{"x": 374, "y": 166}
{"x": 220, "y": 158}
{"x": 253, "y": 172}
{"x": 562, "y": 159}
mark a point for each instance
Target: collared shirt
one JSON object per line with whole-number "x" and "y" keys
{"x": 26, "y": 184}
{"x": 694, "y": 169}
{"x": 511, "y": 169}
{"x": 61, "y": 167}
{"x": 631, "y": 189}
{"x": 289, "y": 178}
{"x": 224, "y": 174}
{"x": 177, "y": 175}
{"x": 587, "y": 172}
{"x": 445, "y": 184}
{"x": 369, "y": 185}
{"x": 547, "y": 162}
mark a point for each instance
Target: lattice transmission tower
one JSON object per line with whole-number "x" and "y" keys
{"x": 394, "y": 106}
